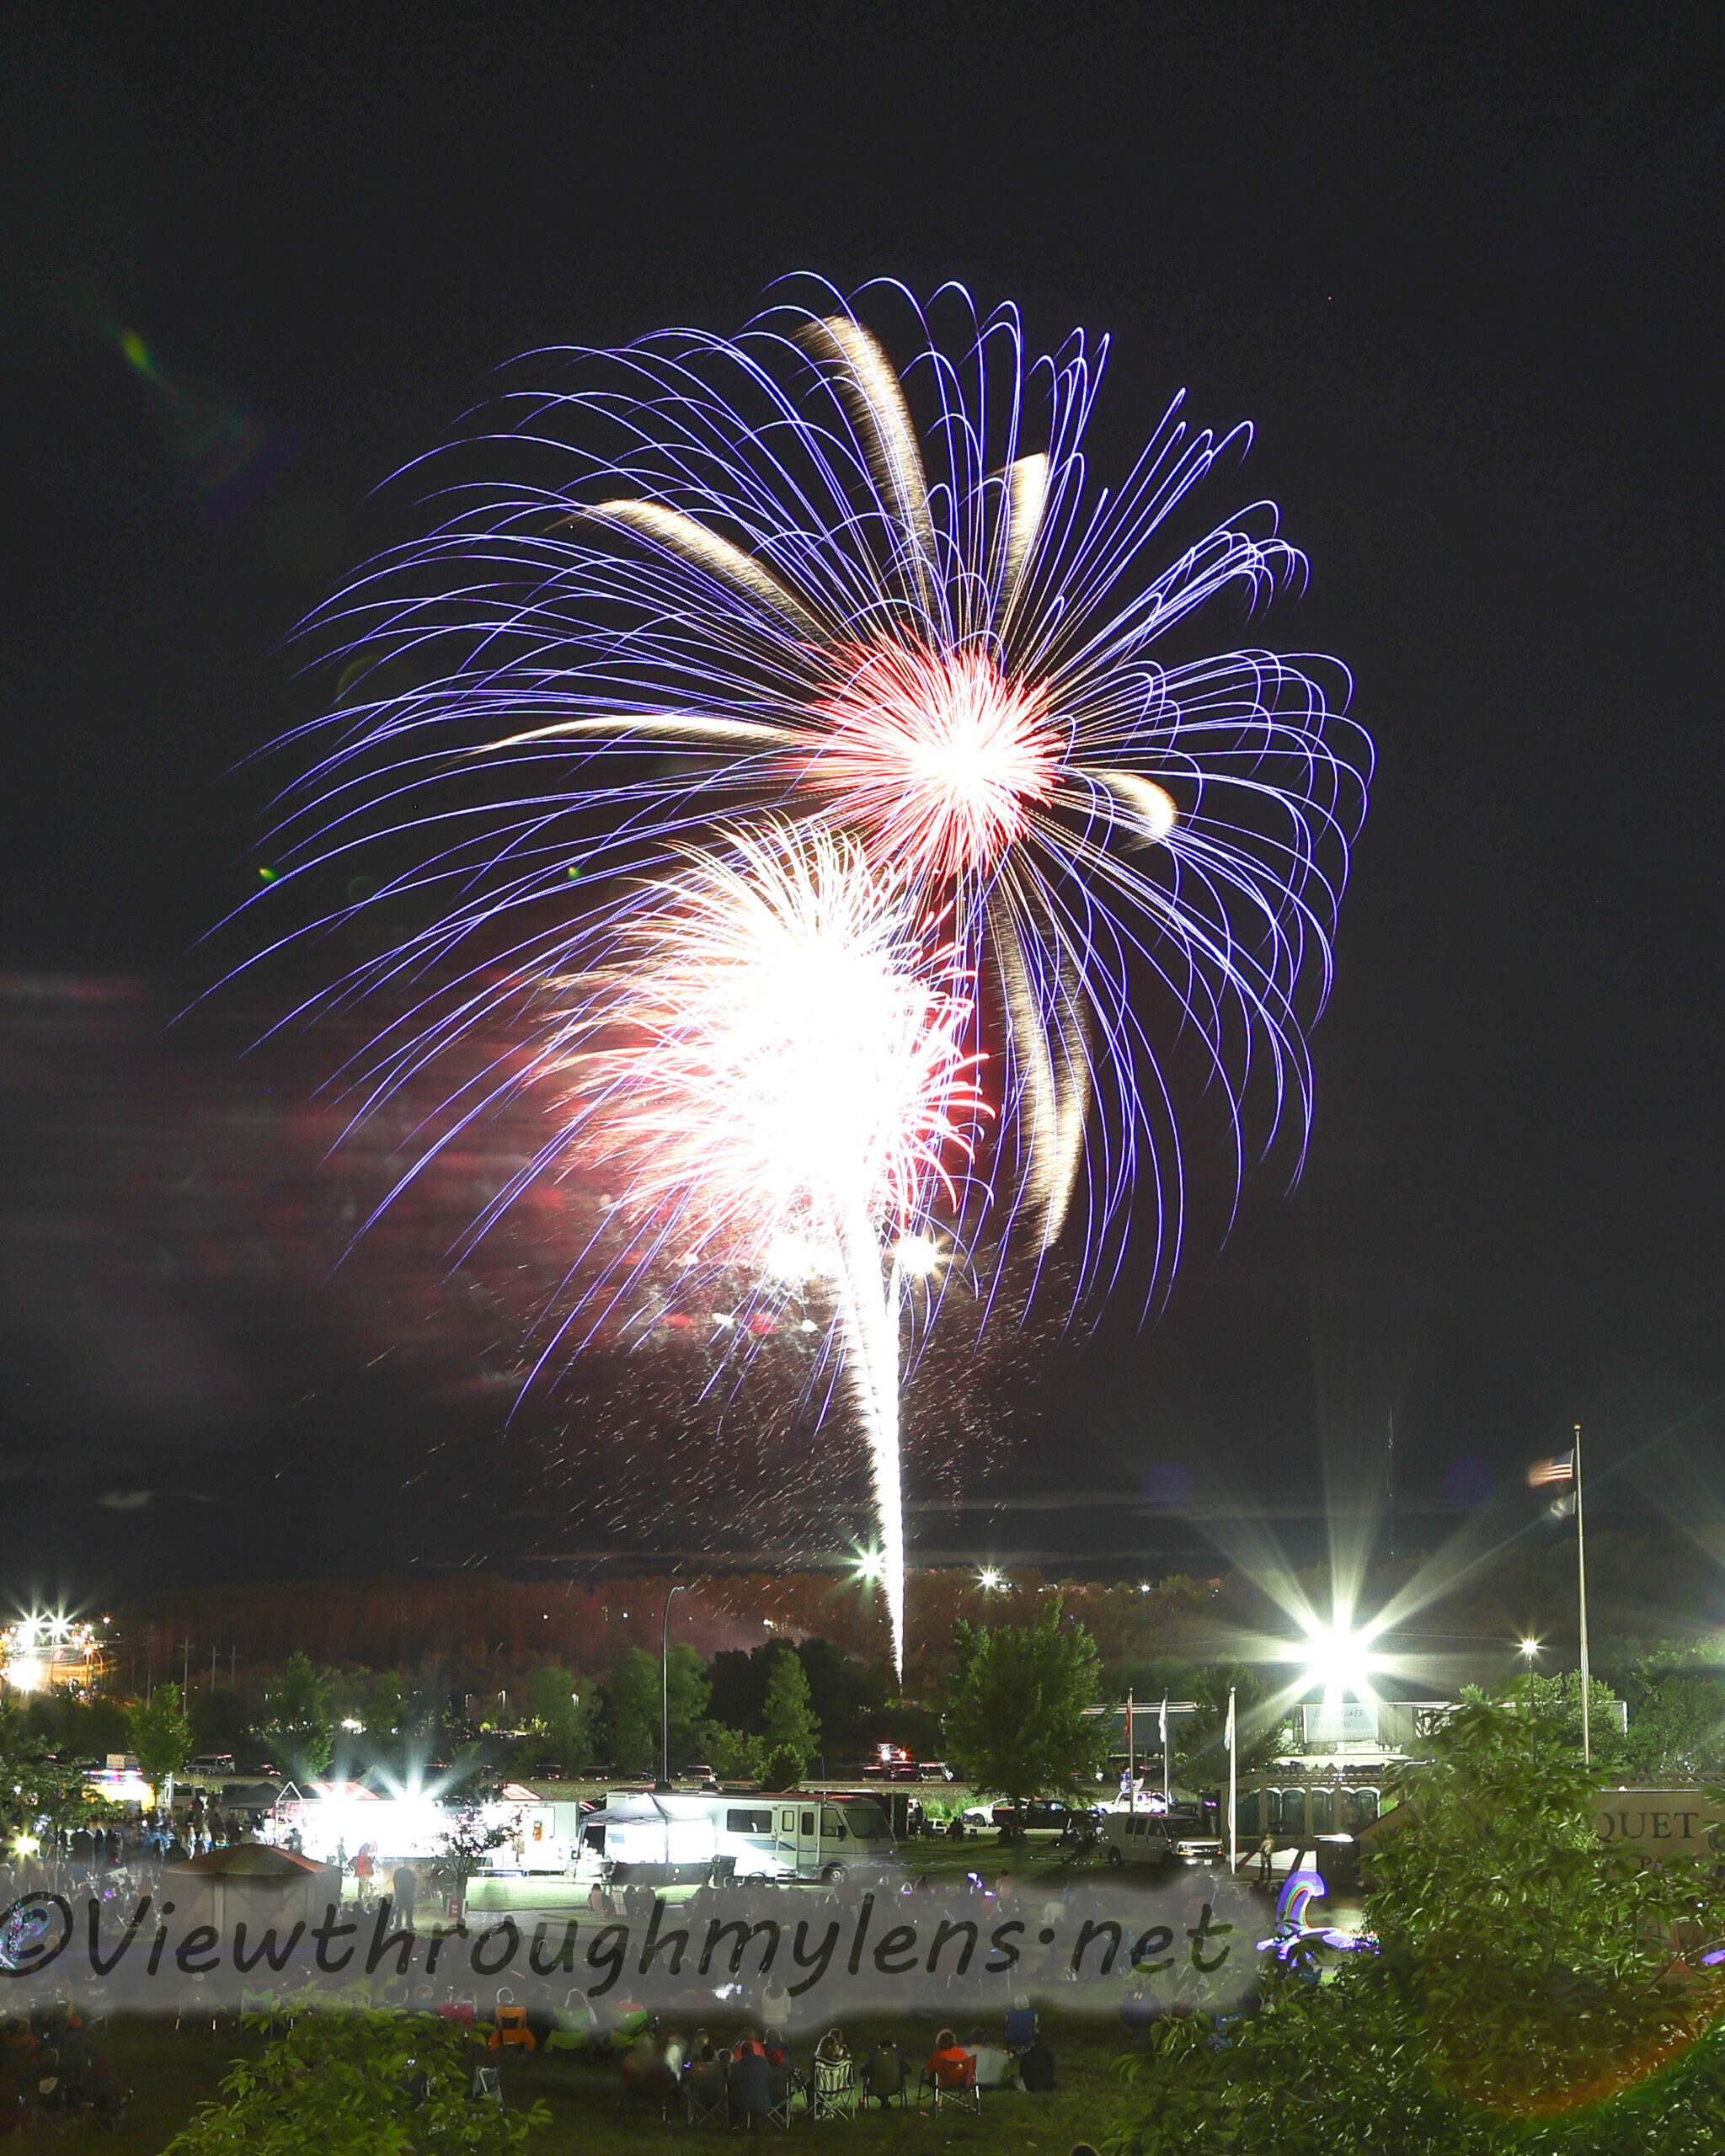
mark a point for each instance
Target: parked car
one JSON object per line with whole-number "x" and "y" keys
{"x": 1049, "y": 1811}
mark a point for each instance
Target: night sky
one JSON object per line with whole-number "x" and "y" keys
{"x": 1461, "y": 269}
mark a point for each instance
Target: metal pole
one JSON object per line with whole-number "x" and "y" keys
{"x": 664, "y": 1689}
{"x": 1587, "y": 1744}
{"x": 1233, "y": 1788}
{"x": 1168, "y": 1771}
{"x": 1131, "y": 1774}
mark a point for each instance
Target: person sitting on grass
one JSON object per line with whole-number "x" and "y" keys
{"x": 994, "y": 2068}
{"x": 1036, "y": 2067}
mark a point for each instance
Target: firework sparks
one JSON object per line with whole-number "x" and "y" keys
{"x": 772, "y": 1063}
{"x": 943, "y": 640}
{"x": 746, "y": 588}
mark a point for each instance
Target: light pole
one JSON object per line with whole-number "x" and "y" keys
{"x": 665, "y": 1690}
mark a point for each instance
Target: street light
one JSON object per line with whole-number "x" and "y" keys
{"x": 988, "y": 1579}
{"x": 1341, "y": 1661}
{"x": 665, "y": 1692}
{"x": 1529, "y": 1650}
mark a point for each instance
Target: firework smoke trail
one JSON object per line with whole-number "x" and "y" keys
{"x": 772, "y": 1056}
{"x": 738, "y": 578}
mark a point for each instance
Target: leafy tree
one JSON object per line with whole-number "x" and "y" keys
{"x": 1017, "y": 1726}
{"x": 1529, "y": 1951}
{"x": 349, "y": 2082}
{"x": 1679, "y": 1728}
{"x": 1557, "y": 1702}
{"x": 845, "y": 1696}
{"x": 634, "y": 1702}
{"x": 299, "y": 1720}
{"x": 558, "y": 1715}
{"x": 162, "y": 1738}
{"x": 734, "y": 1754}
{"x": 739, "y": 1687}
{"x": 36, "y": 1791}
{"x": 1524, "y": 1968}
{"x": 469, "y": 1837}
{"x": 842, "y": 1696}
{"x": 790, "y": 1731}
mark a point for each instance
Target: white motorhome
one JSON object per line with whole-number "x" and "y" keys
{"x": 670, "y": 1838}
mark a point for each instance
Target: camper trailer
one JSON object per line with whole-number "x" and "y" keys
{"x": 544, "y": 1835}
{"x": 673, "y": 1839}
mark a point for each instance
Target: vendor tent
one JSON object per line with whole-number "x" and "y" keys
{"x": 250, "y": 1883}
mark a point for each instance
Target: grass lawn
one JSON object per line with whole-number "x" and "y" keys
{"x": 171, "y": 2071}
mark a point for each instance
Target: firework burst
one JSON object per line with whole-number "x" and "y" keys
{"x": 771, "y": 1063}
{"x": 744, "y": 580}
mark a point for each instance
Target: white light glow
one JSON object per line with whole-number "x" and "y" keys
{"x": 792, "y": 1258}
{"x": 1341, "y": 1661}
{"x": 918, "y": 1256}
{"x": 988, "y": 1579}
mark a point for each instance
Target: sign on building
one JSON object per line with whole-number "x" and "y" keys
{"x": 1341, "y": 1721}
{"x": 1658, "y": 1822}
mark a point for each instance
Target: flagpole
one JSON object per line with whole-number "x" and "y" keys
{"x": 1233, "y": 1790}
{"x": 1587, "y": 1746}
{"x": 1131, "y": 1770}
{"x": 1167, "y": 1772}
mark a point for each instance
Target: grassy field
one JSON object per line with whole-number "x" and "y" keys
{"x": 171, "y": 2071}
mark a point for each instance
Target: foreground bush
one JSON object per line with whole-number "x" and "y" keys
{"x": 348, "y": 2083}
{"x": 1530, "y": 1994}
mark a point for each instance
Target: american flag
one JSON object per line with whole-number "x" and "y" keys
{"x": 1560, "y": 1469}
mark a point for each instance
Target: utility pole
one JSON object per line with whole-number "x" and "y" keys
{"x": 1131, "y": 1773}
{"x": 1390, "y": 1483}
{"x": 1586, "y": 1744}
{"x": 665, "y": 1689}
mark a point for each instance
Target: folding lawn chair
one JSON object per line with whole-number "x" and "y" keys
{"x": 784, "y": 2088}
{"x": 706, "y": 2097}
{"x": 951, "y": 2081}
{"x": 509, "y": 2026}
{"x": 832, "y": 2088}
